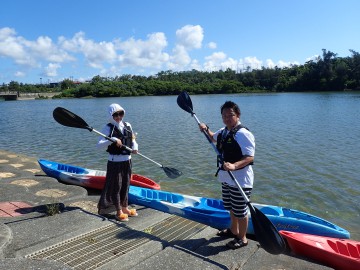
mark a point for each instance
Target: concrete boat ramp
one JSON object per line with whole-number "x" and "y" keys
{"x": 45, "y": 224}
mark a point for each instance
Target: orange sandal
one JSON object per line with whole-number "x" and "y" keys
{"x": 133, "y": 213}
{"x": 122, "y": 217}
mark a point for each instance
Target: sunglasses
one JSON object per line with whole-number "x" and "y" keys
{"x": 118, "y": 114}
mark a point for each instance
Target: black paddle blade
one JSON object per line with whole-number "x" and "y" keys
{"x": 266, "y": 233}
{"x": 171, "y": 172}
{"x": 69, "y": 119}
{"x": 184, "y": 102}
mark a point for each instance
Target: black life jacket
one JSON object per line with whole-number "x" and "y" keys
{"x": 126, "y": 139}
{"x": 228, "y": 147}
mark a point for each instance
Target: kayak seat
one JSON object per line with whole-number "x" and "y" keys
{"x": 354, "y": 250}
{"x": 70, "y": 169}
{"x": 346, "y": 249}
{"x": 213, "y": 203}
{"x": 271, "y": 211}
{"x": 100, "y": 173}
{"x": 164, "y": 196}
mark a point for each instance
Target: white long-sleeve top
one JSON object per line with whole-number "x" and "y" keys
{"x": 104, "y": 143}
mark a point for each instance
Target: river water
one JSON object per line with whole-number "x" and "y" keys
{"x": 307, "y": 144}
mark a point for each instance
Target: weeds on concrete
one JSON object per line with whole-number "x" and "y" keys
{"x": 53, "y": 208}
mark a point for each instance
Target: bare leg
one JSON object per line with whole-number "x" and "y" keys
{"x": 242, "y": 228}
{"x": 125, "y": 210}
{"x": 239, "y": 226}
{"x": 234, "y": 226}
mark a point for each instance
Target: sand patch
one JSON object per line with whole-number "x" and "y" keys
{"x": 6, "y": 174}
{"x": 17, "y": 165}
{"x": 33, "y": 170}
{"x": 12, "y": 156}
{"x": 25, "y": 159}
{"x": 3, "y": 161}
{"x": 54, "y": 193}
{"x": 25, "y": 182}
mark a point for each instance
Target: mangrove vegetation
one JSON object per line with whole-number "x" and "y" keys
{"x": 325, "y": 73}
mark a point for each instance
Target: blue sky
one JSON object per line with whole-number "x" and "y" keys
{"x": 48, "y": 41}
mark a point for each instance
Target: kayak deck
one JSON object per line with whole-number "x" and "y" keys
{"x": 334, "y": 252}
{"x": 212, "y": 212}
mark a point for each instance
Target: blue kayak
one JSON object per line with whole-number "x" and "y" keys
{"x": 211, "y": 212}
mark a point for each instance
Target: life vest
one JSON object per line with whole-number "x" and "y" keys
{"x": 228, "y": 147}
{"x": 126, "y": 139}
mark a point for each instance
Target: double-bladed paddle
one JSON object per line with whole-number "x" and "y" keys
{"x": 266, "y": 233}
{"x": 70, "y": 119}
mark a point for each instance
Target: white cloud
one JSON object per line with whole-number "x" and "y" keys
{"x": 72, "y": 44}
{"x": 270, "y": 63}
{"x": 313, "y": 58}
{"x": 280, "y": 64}
{"x": 179, "y": 59}
{"x": 19, "y": 74}
{"x": 251, "y": 61}
{"x": 190, "y": 36}
{"x": 111, "y": 58}
{"x": 143, "y": 53}
{"x": 30, "y": 53}
{"x": 220, "y": 61}
{"x": 96, "y": 54}
{"x": 214, "y": 61}
{"x": 216, "y": 57}
{"x": 13, "y": 47}
{"x": 44, "y": 49}
{"x": 51, "y": 70}
{"x": 195, "y": 65}
{"x": 82, "y": 79}
{"x": 212, "y": 45}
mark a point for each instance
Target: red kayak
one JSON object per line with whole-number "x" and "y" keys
{"x": 87, "y": 177}
{"x": 342, "y": 254}
{"x": 98, "y": 182}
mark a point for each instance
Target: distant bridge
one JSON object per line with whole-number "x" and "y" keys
{"x": 9, "y": 95}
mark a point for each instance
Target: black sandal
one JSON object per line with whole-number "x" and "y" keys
{"x": 225, "y": 233}
{"x": 236, "y": 243}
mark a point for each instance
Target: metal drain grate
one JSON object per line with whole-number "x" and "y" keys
{"x": 93, "y": 249}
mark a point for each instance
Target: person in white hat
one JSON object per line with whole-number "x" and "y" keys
{"x": 118, "y": 173}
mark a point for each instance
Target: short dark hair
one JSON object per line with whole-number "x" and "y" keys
{"x": 231, "y": 105}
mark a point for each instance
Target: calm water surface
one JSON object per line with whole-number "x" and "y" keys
{"x": 307, "y": 145}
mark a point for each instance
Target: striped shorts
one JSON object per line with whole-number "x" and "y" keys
{"x": 234, "y": 201}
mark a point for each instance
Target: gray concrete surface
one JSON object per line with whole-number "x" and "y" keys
{"x": 33, "y": 232}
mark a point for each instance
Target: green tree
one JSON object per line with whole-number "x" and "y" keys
{"x": 67, "y": 84}
{"x": 14, "y": 86}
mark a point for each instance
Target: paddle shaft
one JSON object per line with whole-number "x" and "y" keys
{"x": 218, "y": 153}
{"x": 126, "y": 147}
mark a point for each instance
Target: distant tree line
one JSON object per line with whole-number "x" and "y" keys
{"x": 326, "y": 73}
